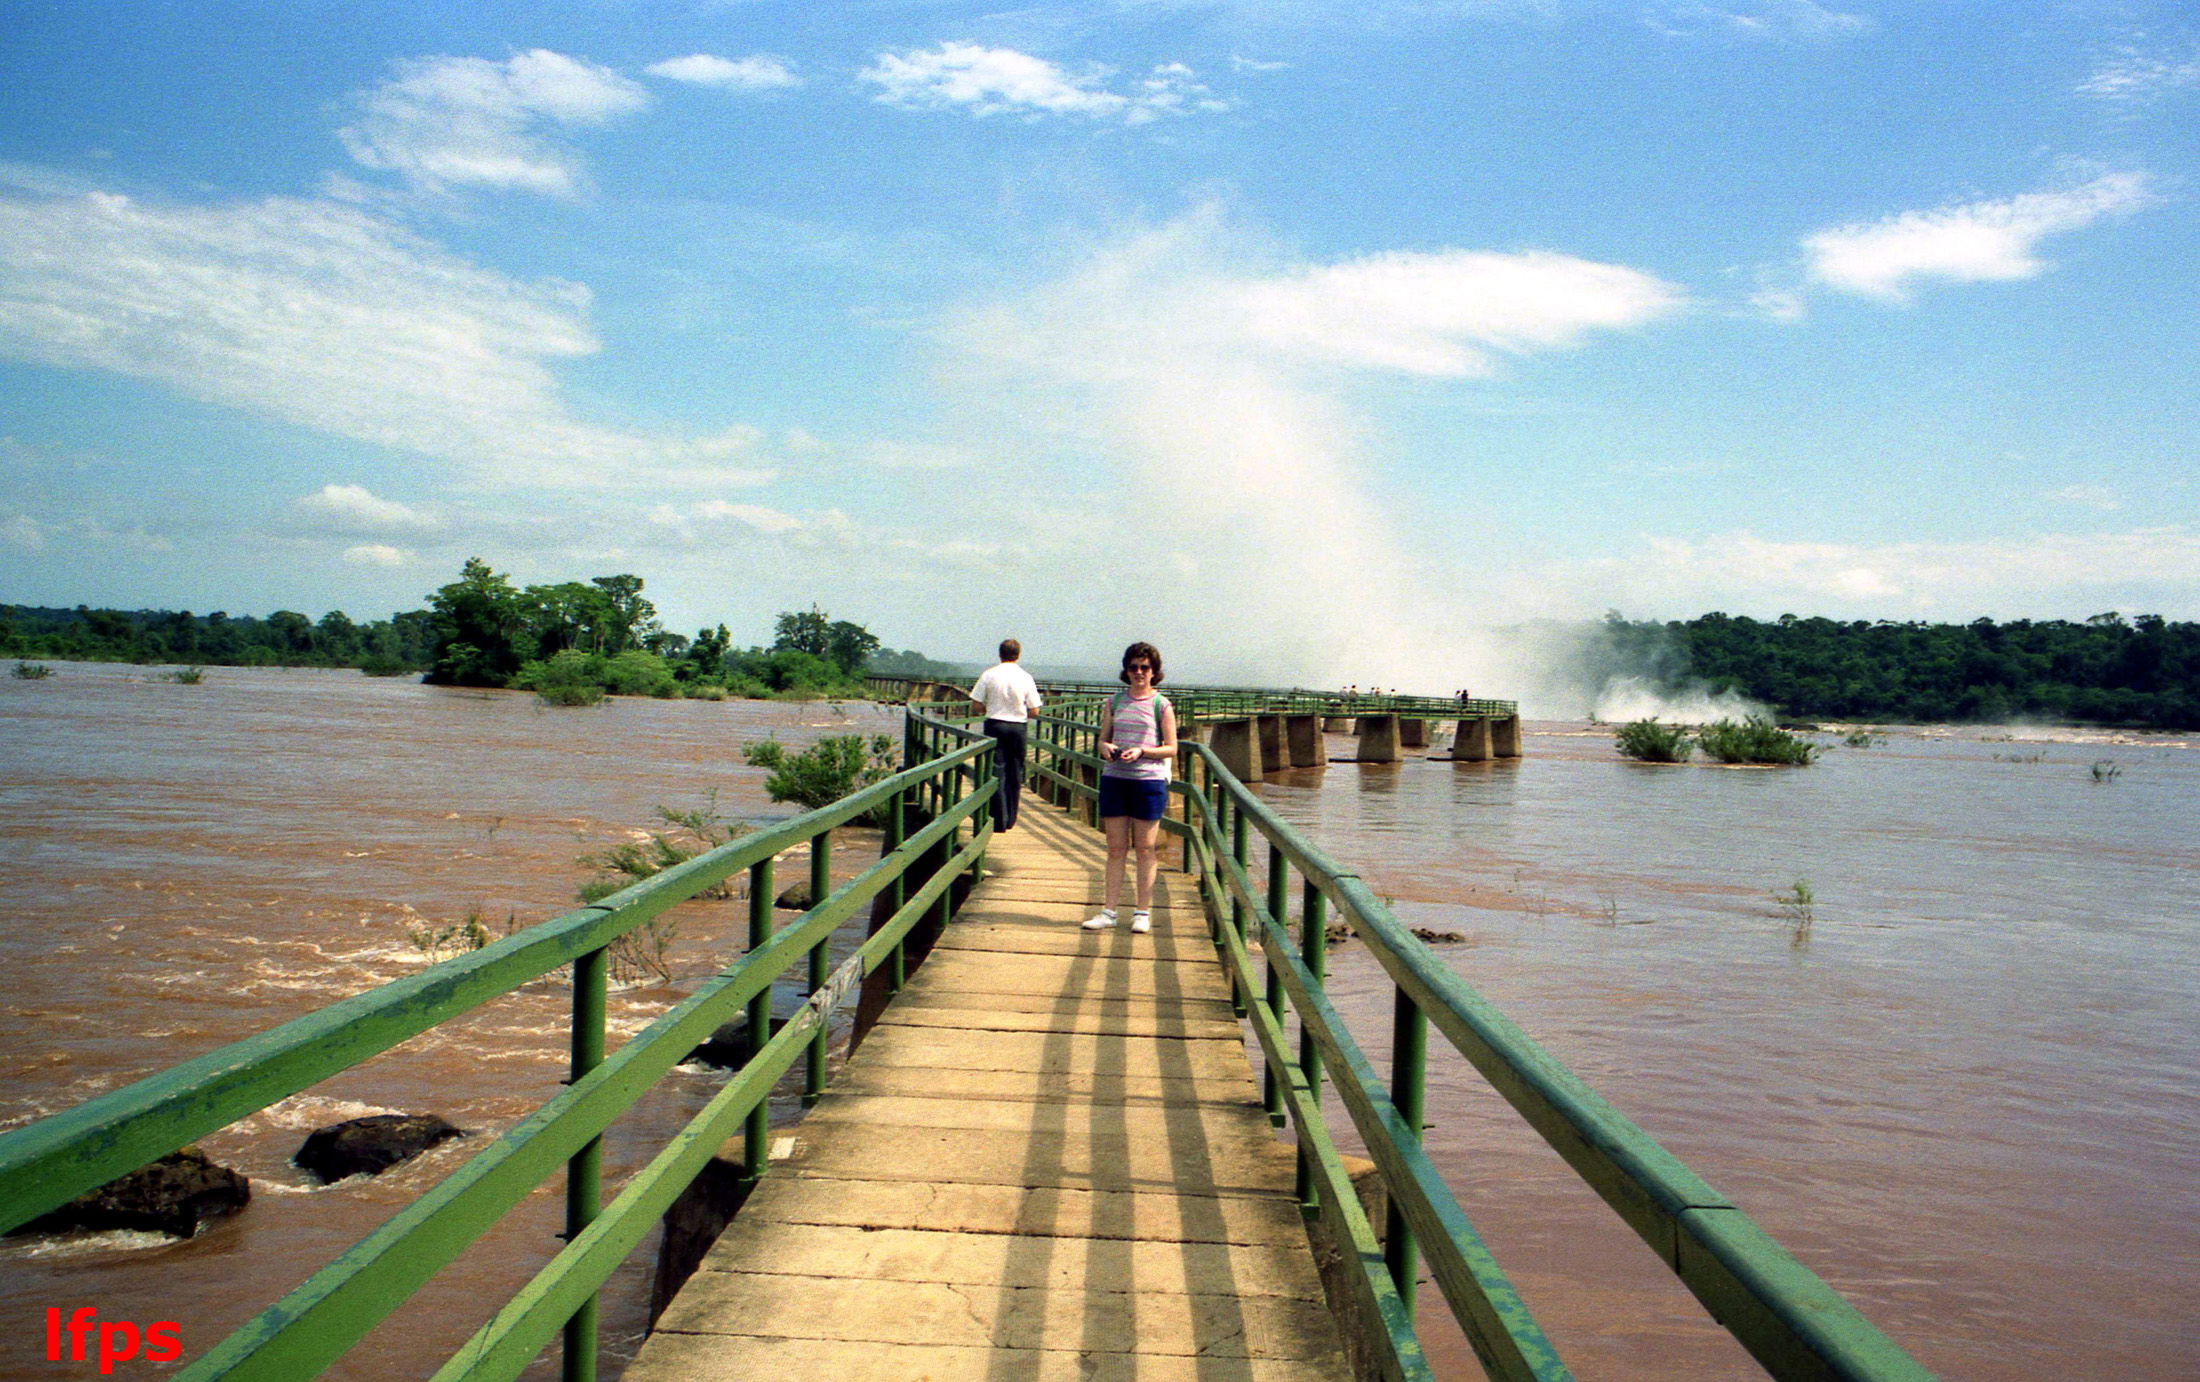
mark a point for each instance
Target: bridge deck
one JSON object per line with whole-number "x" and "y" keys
{"x": 1048, "y": 1161}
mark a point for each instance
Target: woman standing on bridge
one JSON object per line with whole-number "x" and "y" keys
{"x": 1138, "y": 740}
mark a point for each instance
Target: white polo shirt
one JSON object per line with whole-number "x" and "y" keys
{"x": 1008, "y": 691}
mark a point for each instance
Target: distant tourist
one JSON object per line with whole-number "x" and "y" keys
{"x": 1009, "y": 695}
{"x": 1138, "y": 739}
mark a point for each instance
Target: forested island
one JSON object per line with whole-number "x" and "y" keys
{"x": 565, "y": 640}
{"x": 2108, "y": 670}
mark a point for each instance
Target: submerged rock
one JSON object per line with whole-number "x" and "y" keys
{"x": 371, "y": 1145}
{"x": 173, "y": 1195}
{"x": 796, "y": 898}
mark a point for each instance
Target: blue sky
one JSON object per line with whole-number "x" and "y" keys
{"x": 1310, "y": 339}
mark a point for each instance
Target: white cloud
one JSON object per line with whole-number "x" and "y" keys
{"x": 1757, "y": 19}
{"x": 23, "y": 531}
{"x": 754, "y": 515}
{"x": 1201, "y": 379}
{"x": 1977, "y": 242}
{"x": 377, "y": 554}
{"x": 906, "y": 455}
{"x": 760, "y": 72}
{"x": 991, "y": 81}
{"x": 354, "y": 507}
{"x": 2099, "y": 497}
{"x": 2132, "y": 76}
{"x": 444, "y": 123}
{"x": 2142, "y": 567}
{"x": 1444, "y": 313}
{"x": 327, "y": 316}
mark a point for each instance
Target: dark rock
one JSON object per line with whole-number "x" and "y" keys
{"x": 1438, "y": 937}
{"x": 172, "y": 1195}
{"x": 796, "y": 898}
{"x": 371, "y": 1145}
{"x": 728, "y": 1047}
{"x": 1337, "y": 932}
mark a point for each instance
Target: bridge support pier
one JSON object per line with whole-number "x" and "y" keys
{"x": 1235, "y": 743}
{"x": 1472, "y": 743}
{"x": 1378, "y": 738}
{"x": 1505, "y": 737}
{"x": 1337, "y": 724}
{"x": 1304, "y": 733}
{"x": 1273, "y": 753}
{"x": 1413, "y": 734}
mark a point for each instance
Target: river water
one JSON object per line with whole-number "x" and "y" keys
{"x": 1967, "y": 1091}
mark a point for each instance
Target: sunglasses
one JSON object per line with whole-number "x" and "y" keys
{"x": 1138, "y": 667}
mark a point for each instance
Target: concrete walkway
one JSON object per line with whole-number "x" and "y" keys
{"x": 1048, "y": 1161}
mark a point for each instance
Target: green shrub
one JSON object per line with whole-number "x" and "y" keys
{"x": 1755, "y": 740}
{"x": 645, "y": 952}
{"x": 1651, "y": 742}
{"x": 826, "y": 771}
{"x": 32, "y": 671}
{"x": 704, "y": 691}
{"x": 571, "y": 677}
{"x": 636, "y": 673}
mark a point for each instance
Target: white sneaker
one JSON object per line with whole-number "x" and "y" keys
{"x": 1141, "y": 923}
{"x": 1103, "y": 922}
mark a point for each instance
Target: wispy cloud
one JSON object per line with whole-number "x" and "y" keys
{"x": 758, "y": 72}
{"x": 1975, "y": 242}
{"x": 994, "y": 81}
{"x": 1756, "y": 19}
{"x": 2099, "y": 497}
{"x": 378, "y": 554}
{"x": 326, "y": 315}
{"x": 2135, "y": 76}
{"x": 445, "y": 123}
{"x": 907, "y": 455}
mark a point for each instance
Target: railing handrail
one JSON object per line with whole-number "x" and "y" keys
{"x": 45, "y": 1164}
{"x": 1785, "y": 1315}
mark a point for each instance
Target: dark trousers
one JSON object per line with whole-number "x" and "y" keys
{"x": 1008, "y": 736}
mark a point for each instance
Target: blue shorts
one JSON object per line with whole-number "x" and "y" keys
{"x": 1140, "y": 798}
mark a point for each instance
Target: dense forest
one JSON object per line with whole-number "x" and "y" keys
{"x": 481, "y": 630}
{"x": 2107, "y": 670}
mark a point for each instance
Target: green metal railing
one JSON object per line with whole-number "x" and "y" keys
{"x": 946, "y": 789}
{"x": 1793, "y": 1323}
{"x": 1212, "y": 702}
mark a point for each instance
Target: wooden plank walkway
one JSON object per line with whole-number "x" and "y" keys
{"x": 1048, "y": 1161}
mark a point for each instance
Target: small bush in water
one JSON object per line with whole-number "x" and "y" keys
{"x": 1651, "y": 742}
{"x": 32, "y": 671}
{"x": 1755, "y": 740}
{"x": 826, "y": 771}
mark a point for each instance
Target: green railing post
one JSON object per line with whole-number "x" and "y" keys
{"x": 1237, "y": 906}
{"x": 821, "y": 883}
{"x": 1279, "y": 905}
{"x": 755, "y": 1142}
{"x": 1314, "y": 950}
{"x": 1409, "y": 1093}
{"x": 584, "y": 1171}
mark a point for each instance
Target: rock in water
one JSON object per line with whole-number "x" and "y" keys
{"x": 172, "y": 1195}
{"x": 796, "y": 898}
{"x": 371, "y": 1145}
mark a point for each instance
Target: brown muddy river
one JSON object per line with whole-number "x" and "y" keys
{"x": 1967, "y": 1092}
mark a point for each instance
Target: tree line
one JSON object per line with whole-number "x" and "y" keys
{"x": 482, "y": 630}
{"x": 2141, "y": 671}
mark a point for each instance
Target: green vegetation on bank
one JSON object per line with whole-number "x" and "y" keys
{"x": 2106, "y": 670}
{"x": 572, "y": 642}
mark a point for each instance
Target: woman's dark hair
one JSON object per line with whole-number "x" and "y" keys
{"x": 1140, "y": 650}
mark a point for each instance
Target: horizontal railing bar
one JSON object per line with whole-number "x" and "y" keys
{"x": 313, "y": 1325}
{"x": 503, "y": 1347}
{"x": 1400, "y": 1357}
{"x": 1497, "y": 1322}
{"x": 48, "y": 1163}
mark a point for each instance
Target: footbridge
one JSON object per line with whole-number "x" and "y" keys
{"x": 1047, "y": 1155}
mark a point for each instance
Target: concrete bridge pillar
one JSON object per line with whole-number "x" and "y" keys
{"x": 1472, "y": 743}
{"x": 1187, "y": 728}
{"x": 1505, "y": 736}
{"x": 1337, "y": 724}
{"x": 1273, "y": 754}
{"x": 1235, "y": 743}
{"x": 1413, "y": 734}
{"x": 1304, "y": 734}
{"x": 1378, "y": 738}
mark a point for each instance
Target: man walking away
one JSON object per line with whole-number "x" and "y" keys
{"x": 1009, "y": 695}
